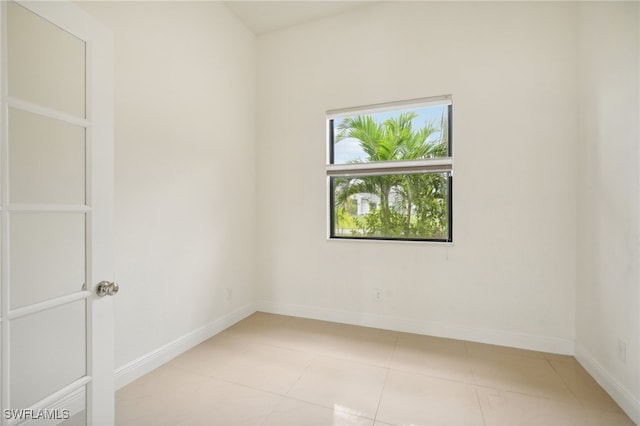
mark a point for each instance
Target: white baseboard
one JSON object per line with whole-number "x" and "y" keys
{"x": 430, "y": 328}
{"x": 625, "y": 399}
{"x": 146, "y": 363}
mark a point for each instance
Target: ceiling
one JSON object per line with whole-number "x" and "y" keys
{"x": 263, "y": 16}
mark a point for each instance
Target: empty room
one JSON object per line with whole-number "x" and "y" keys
{"x": 320, "y": 212}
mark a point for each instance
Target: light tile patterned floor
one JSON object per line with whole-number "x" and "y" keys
{"x": 277, "y": 370}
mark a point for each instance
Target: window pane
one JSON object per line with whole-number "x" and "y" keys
{"x": 398, "y": 206}
{"x": 410, "y": 134}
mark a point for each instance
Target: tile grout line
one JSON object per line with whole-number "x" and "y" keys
{"x": 564, "y": 382}
{"x": 386, "y": 377}
{"x": 311, "y": 361}
{"x": 484, "y": 422}
{"x": 283, "y": 396}
{"x": 315, "y": 354}
{"x": 474, "y": 377}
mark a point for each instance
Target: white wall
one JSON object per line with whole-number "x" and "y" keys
{"x": 509, "y": 277}
{"x": 184, "y": 168}
{"x": 608, "y": 202}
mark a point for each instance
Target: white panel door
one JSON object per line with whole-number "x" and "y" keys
{"x": 56, "y": 162}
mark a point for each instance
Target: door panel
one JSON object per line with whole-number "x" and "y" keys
{"x": 56, "y": 243}
{"x": 43, "y": 360}
{"x": 46, "y": 160}
{"x": 55, "y": 77}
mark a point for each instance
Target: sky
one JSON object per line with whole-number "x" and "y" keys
{"x": 349, "y": 149}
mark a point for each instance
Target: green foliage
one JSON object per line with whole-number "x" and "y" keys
{"x": 411, "y": 205}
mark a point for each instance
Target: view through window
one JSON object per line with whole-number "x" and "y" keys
{"x": 390, "y": 171}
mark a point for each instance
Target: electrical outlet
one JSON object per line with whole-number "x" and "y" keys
{"x": 622, "y": 351}
{"x": 377, "y": 295}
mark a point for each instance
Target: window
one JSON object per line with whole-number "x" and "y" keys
{"x": 390, "y": 171}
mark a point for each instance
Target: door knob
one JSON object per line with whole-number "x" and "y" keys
{"x": 107, "y": 288}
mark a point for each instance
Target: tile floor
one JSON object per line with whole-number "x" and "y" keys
{"x": 277, "y": 370}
